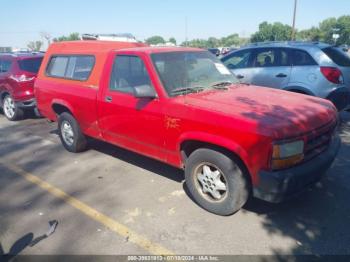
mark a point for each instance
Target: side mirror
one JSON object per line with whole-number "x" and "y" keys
{"x": 144, "y": 91}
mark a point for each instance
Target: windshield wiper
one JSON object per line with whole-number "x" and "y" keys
{"x": 186, "y": 90}
{"x": 221, "y": 85}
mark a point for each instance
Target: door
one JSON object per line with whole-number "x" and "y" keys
{"x": 305, "y": 72}
{"x": 270, "y": 67}
{"x": 239, "y": 64}
{"x": 127, "y": 121}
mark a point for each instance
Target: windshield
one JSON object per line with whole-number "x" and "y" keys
{"x": 30, "y": 65}
{"x": 186, "y": 72}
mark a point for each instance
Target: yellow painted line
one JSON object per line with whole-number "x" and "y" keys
{"x": 113, "y": 225}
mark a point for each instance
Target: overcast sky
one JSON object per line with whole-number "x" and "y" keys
{"x": 23, "y": 20}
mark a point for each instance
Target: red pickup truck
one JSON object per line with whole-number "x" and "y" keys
{"x": 183, "y": 107}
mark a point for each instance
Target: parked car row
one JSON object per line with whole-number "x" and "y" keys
{"x": 183, "y": 107}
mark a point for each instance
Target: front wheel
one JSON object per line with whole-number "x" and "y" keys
{"x": 70, "y": 134}
{"x": 216, "y": 182}
{"x": 11, "y": 110}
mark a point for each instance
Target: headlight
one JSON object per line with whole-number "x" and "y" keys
{"x": 287, "y": 154}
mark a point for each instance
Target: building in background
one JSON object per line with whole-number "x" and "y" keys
{"x": 8, "y": 49}
{"x": 5, "y": 49}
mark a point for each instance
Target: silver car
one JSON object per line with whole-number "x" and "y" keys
{"x": 315, "y": 69}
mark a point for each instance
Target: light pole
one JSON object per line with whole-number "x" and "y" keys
{"x": 186, "y": 31}
{"x": 294, "y": 17}
{"x": 336, "y": 35}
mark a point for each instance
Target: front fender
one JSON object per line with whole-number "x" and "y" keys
{"x": 217, "y": 141}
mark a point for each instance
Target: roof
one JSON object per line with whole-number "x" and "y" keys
{"x": 92, "y": 46}
{"x": 103, "y": 46}
{"x": 22, "y": 55}
{"x": 287, "y": 44}
{"x": 163, "y": 49}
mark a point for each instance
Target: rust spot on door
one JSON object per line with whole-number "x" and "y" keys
{"x": 172, "y": 123}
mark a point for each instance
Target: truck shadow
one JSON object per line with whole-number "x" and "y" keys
{"x": 138, "y": 160}
{"x": 316, "y": 220}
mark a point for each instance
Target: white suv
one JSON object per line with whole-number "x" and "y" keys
{"x": 315, "y": 69}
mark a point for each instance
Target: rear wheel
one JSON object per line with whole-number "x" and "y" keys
{"x": 11, "y": 110}
{"x": 70, "y": 134}
{"x": 216, "y": 181}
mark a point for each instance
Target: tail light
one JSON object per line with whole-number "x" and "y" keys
{"x": 333, "y": 74}
{"x": 21, "y": 78}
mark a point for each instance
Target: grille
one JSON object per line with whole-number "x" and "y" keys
{"x": 319, "y": 141}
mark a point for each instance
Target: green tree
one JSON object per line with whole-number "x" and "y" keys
{"x": 324, "y": 32}
{"x": 343, "y": 26}
{"x": 327, "y": 27}
{"x": 243, "y": 41}
{"x": 231, "y": 40}
{"x": 155, "y": 40}
{"x": 35, "y": 45}
{"x": 312, "y": 34}
{"x": 71, "y": 37}
{"x": 213, "y": 42}
{"x": 172, "y": 40}
{"x": 199, "y": 43}
{"x": 272, "y": 32}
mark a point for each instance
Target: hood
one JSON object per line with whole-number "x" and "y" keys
{"x": 280, "y": 114}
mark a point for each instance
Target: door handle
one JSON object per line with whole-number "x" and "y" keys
{"x": 239, "y": 76}
{"x": 281, "y": 75}
{"x": 108, "y": 99}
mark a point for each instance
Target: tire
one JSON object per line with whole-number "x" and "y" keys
{"x": 11, "y": 111}
{"x": 198, "y": 180}
{"x": 36, "y": 112}
{"x": 70, "y": 134}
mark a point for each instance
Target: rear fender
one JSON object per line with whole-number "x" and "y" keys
{"x": 3, "y": 91}
{"x": 301, "y": 89}
{"x": 62, "y": 103}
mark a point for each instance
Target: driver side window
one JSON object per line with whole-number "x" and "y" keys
{"x": 128, "y": 72}
{"x": 238, "y": 60}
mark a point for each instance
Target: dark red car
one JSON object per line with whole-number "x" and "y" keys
{"x": 17, "y": 74}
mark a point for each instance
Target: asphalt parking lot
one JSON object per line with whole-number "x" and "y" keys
{"x": 111, "y": 201}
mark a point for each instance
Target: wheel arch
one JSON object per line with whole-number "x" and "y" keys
{"x": 190, "y": 146}
{"x": 61, "y": 106}
{"x": 189, "y": 143}
{"x": 3, "y": 94}
{"x": 299, "y": 89}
